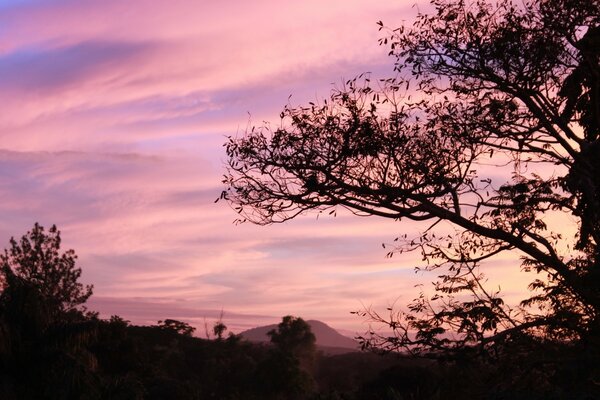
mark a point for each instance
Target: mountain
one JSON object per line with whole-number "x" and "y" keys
{"x": 328, "y": 339}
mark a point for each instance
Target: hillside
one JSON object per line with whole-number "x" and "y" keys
{"x": 327, "y": 337}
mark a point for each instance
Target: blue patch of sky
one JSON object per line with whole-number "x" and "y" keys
{"x": 47, "y": 68}
{"x": 12, "y": 3}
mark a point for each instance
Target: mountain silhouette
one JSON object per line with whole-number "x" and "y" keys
{"x": 328, "y": 339}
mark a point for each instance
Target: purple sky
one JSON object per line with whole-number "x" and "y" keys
{"x": 112, "y": 123}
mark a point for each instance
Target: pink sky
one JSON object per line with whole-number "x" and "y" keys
{"x": 112, "y": 123}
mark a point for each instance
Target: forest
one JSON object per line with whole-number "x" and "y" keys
{"x": 53, "y": 347}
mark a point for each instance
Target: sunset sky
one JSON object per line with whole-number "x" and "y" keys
{"x": 112, "y": 123}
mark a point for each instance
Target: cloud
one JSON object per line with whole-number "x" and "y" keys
{"x": 36, "y": 71}
{"x": 114, "y": 54}
{"x": 145, "y": 311}
{"x": 113, "y": 119}
{"x": 146, "y": 229}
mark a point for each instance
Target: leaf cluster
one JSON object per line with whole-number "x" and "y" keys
{"x": 488, "y": 132}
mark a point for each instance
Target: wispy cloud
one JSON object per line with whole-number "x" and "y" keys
{"x": 113, "y": 119}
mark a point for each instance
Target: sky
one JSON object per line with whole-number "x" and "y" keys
{"x": 112, "y": 126}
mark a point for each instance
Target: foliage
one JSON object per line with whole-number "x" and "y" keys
{"x": 35, "y": 261}
{"x": 293, "y": 335}
{"x": 46, "y": 354}
{"x": 179, "y": 327}
{"x": 488, "y": 137}
{"x": 292, "y": 360}
{"x": 219, "y": 329}
{"x": 44, "y": 331}
{"x": 51, "y": 349}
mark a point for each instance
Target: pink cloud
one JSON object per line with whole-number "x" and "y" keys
{"x": 112, "y": 127}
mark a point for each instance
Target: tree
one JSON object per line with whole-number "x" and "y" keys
{"x": 219, "y": 329}
{"x": 289, "y": 368}
{"x": 487, "y": 136}
{"x": 179, "y": 327}
{"x": 36, "y": 262}
{"x": 294, "y": 336}
{"x": 45, "y": 334}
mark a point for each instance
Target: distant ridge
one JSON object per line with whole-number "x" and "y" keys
{"x": 326, "y": 336}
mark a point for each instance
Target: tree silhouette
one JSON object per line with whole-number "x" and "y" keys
{"x": 35, "y": 261}
{"x": 179, "y": 327}
{"x": 487, "y": 136}
{"x": 45, "y": 332}
{"x": 287, "y": 371}
{"x": 219, "y": 329}
{"x": 294, "y": 336}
